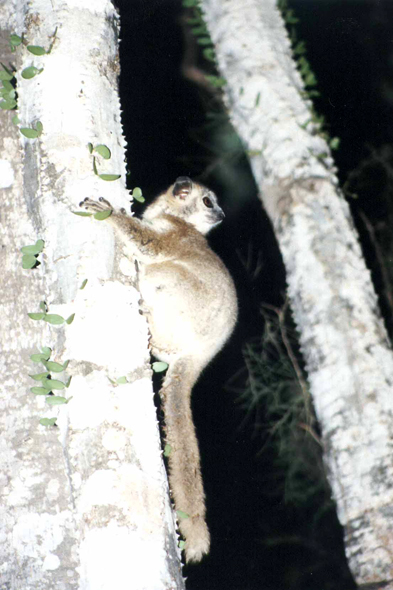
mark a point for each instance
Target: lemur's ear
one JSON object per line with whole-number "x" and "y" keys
{"x": 182, "y": 187}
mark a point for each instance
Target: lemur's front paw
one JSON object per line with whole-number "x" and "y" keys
{"x": 100, "y": 205}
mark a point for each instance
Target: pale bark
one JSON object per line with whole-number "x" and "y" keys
{"x": 84, "y": 504}
{"x": 344, "y": 342}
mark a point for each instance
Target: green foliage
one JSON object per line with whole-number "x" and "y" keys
{"x": 36, "y": 49}
{"x": 106, "y": 154}
{"x": 39, "y": 376}
{"x": 31, "y": 132}
{"x": 34, "y": 248}
{"x": 42, "y": 356}
{"x": 48, "y": 421}
{"x": 199, "y": 29}
{"x": 137, "y": 194}
{"x": 30, "y": 254}
{"x": 276, "y": 387}
{"x": 82, "y": 213}
{"x": 167, "y": 450}
{"x": 182, "y": 515}
{"x": 29, "y": 261}
{"x": 31, "y": 72}
{"x": 104, "y": 151}
{"x": 39, "y": 390}
{"x": 109, "y": 177}
{"x": 55, "y": 367}
{"x": 310, "y": 81}
{"x": 101, "y": 215}
{"x": 7, "y": 89}
{"x": 51, "y": 318}
{"x": 70, "y": 319}
{"x": 83, "y": 285}
{"x": 15, "y": 41}
{"x": 56, "y": 400}
{"x": 159, "y": 366}
{"x": 121, "y": 380}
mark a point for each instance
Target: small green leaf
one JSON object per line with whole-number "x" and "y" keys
{"x": 42, "y": 356}
{"x": 182, "y": 544}
{"x": 104, "y": 151}
{"x": 4, "y": 75}
{"x": 30, "y": 72}
{"x": 137, "y": 194}
{"x": 55, "y": 367}
{"x": 39, "y": 390}
{"x": 15, "y": 40}
{"x": 8, "y": 105}
{"x": 334, "y": 143}
{"x": 167, "y": 450}
{"x": 216, "y": 81}
{"x": 51, "y": 384}
{"x": 182, "y": 515}
{"x": 33, "y": 249}
{"x": 95, "y": 166}
{"x": 90, "y": 147}
{"x": 70, "y": 319}
{"x": 159, "y": 366}
{"x": 7, "y": 93}
{"x": 204, "y": 41}
{"x": 48, "y": 421}
{"x": 56, "y": 400}
{"x": 109, "y": 177}
{"x": 65, "y": 365}
{"x": 83, "y": 285}
{"x": 28, "y": 132}
{"x": 82, "y": 213}
{"x": 37, "y": 358}
{"x": 209, "y": 54}
{"x": 36, "y": 49}
{"x": 200, "y": 30}
{"x": 121, "y": 380}
{"x": 39, "y": 126}
{"x": 15, "y": 120}
{"x": 189, "y": 3}
{"x": 68, "y": 382}
{"x": 28, "y": 261}
{"x": 43, "y": 306}
{"x": 36, "y": 316}
{"x": 101, "y": 215}
{"x": 39, "y": 376}
{"x": 54, "y": 319}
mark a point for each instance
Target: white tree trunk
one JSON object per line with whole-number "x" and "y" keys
{"x": 84, "y": 504}
{"x": 348, "y": 356}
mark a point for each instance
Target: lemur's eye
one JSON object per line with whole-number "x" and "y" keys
{"x": 207, "y": 202}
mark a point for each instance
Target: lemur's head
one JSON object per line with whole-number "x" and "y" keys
{"x": 190, "y": 201}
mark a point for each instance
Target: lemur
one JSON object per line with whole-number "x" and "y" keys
{"x": 191, "y": 306}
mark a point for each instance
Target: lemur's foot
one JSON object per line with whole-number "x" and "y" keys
{"x": 100, "y": 205}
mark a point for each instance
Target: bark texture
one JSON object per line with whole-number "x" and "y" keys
{"x": 84, "y": 504}
{"x": 344, "y": 342}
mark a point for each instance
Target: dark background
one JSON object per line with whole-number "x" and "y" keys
{"x": 260, "y": 539}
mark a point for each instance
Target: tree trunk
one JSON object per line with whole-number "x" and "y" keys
{"x": 344, "y": 342}
{"x": 84, "y": 503}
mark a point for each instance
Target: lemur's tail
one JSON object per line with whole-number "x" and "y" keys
{"x": 185, "y": 477}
